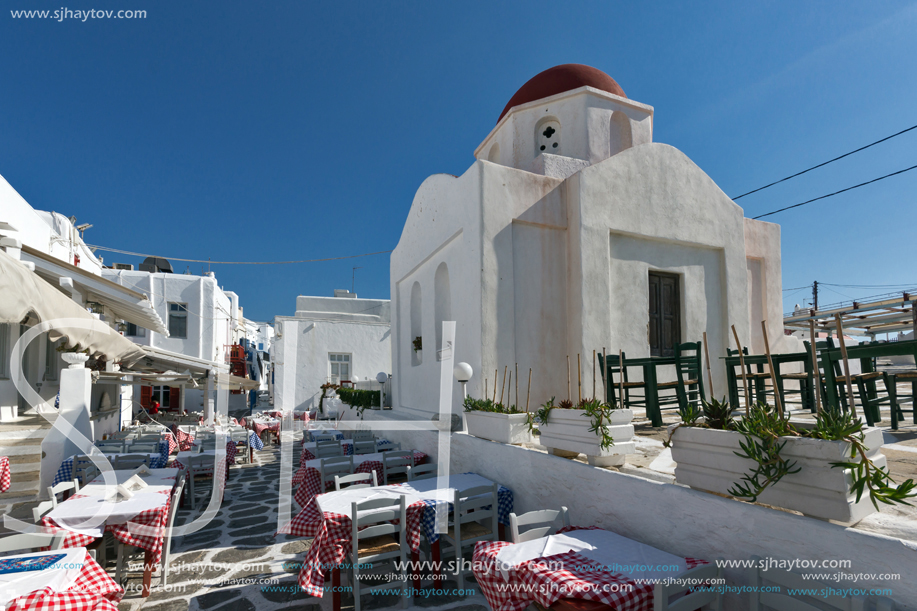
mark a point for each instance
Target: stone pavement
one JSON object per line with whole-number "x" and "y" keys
{"x": 220, "y": 566}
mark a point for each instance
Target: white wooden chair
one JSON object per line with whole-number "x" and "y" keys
{"x": 142, "y": 447}
{"x": 425, "y": 471}
{"x": 395, "y": 468}
{"x": 673, "y": 597}
{"x": 471, "y": 507}
{"x": 375, "y": 539}
{"x": 334, "y": 465}
{"x": 41, "y": 509}
{"x": 84, "y": 470}
{"x": 241, "y": 438}
{"x": 126, "y": 551}
{"x": 387, "y": 447}
{"x": 781, "y": 601}
{"x": 324, "y": 449}
{"x": 30, "y": 542}
{"x": 363, "y": 436}
{"x": 543, "y": 523}
{"x": 130, "y": 461}
{"x": 355, "y": 480}
{"x": 199, "y": 466}
{"x": 364, "y": 447}
{"x": 111, "y": 447}
{"x": 60, "y": 488}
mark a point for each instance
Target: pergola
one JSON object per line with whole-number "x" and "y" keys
{"x": 870, "y": 317}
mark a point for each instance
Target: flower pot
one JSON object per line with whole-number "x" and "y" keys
{"x": 567, "y": 434}
{"x": 505, "y": 428}
{"x": 706, "y": 460}
{"x": 76, "y": 360}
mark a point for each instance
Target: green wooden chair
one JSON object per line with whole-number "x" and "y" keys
{"x": 891, "y": 385}
{"x": 865, "y": 383}
{"x": 755, "y": 379}
{"x": 689, "y": 385}
{"x": 611, "y": 366}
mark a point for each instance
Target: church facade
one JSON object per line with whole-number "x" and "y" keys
{"x": 573, "y": 231}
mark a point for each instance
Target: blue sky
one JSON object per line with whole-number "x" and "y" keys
{"x": 286, "y": 130}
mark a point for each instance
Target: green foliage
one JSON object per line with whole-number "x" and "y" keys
{"x": 360, "y": 399}
{"x": 717, "y": 414}
{"x": 417, "y": 343}
{"x": 486, "y": 405}
{"x": 599, "y": 415}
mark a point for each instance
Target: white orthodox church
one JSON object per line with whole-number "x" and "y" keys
{"x": 573, "y": 231}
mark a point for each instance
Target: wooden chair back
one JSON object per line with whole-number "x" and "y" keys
{"x": 684, "y": 598}
{"x": 355, "y": 480}
{"x": 542, "y": 523}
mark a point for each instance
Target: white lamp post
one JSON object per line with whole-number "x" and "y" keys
{"x": 381, "y": 378}
{"x": 463, "y": 373}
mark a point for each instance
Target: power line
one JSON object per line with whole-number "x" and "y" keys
{"x": 814, "y": 167}
{"x": 140, "y": 254}
{"x": 862, "y": 184}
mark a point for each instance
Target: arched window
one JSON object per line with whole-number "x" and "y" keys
{"x": 494, "y": 155}
{"x": 442, "y": 302}
{"x": 547, "y": 137}
{"x": 621, "y": 135}
{"x": 416, "y": 325}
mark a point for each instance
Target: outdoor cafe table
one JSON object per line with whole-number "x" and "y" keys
{"x": 867, "y": 353}
{"x": 759, "y": 361}
{"x": 308, "y": 448}
{"x": 327, "y": 519}
{"x": 157, "y": 461}
{"x": 579, "y": 563}
{"x": 139, "y": 521}
{"x": 308, "y": 477}
{"x": 310, "y": 434}
{"x": 75, "y": 583}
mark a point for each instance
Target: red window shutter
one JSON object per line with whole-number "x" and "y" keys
{"x": 146, "y": 396}
{"x": 174, "y": 398}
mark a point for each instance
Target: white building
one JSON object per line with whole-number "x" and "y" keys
{"x": 573, "y": 231}
{"x": 329, "y": 339}
{"x": 202, "y": 321}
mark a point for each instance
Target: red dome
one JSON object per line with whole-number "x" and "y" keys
{"x": 558, "y": 79}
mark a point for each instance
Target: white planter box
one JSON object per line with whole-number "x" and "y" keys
{"x": 504, "y": 428}
{"x": 706, "y": 461}
{"x": 9, "y": 413}
{"x": 567, "y": 434}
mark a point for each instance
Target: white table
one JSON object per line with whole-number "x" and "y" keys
{"x": 157, "y": 479}
{"x": 608, "y": 550}
{"x": 59, "y": 577}
{"x": 359, "y": 459}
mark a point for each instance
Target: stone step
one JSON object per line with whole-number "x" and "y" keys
{"x": 28, "y": 488}
{"x": 17, "y": 459}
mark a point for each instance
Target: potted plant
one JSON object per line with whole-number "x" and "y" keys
{"x": 497, "y": 422}
{"x": 598, "y": 430}
{"x": 830, "y": 469}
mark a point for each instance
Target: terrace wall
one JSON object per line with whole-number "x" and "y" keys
{"x": 673, "y": 518}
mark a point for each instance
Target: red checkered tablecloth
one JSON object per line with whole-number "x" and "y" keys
{"x": 4, "y": 473}
{"x": 260, "y": 427}
{"x": 331, "y": 543}
{"x": 185, "y": 440}
{"x": 173, "y": 443}
{"x": 309, "y": 479}
{"x": 541, "y": 581}
{"x": 145, "y": 530}
{"x": 93, "y": 590}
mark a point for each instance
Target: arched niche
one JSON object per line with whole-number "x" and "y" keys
{"x": 547, "y": 137}
{"x": 494, "y": 155}
{"x": 416, "y": 324}
{"x": 442, "y": 301}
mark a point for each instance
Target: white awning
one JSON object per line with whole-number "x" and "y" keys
{"x": 24, "y": 295}
{"x": 125, "y": 303}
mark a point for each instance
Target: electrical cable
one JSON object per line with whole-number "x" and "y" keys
{"x": 825, "y": 163}
{"x": 862, "y": 184}
{"x": 140, "y": 254}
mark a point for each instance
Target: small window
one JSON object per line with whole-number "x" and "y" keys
{"x": 135, "y": 331}
{"x": 178, "y": 320}
{"x": 665, "y": 314}
{"x": 162, "y": 394}
{"x": 340, "y": 367}
{"x": 51, "y": 360}
{"x": 4, "y": 351}
{"x": 547, "y": 137}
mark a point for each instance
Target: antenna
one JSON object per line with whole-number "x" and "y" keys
{"x": 353, "y": 279}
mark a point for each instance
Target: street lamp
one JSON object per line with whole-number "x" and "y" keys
{"x": 381, "y": 378}
{"x": 463, "y": 373}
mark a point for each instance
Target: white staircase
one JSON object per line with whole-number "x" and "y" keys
{"x": 20, "y": 441}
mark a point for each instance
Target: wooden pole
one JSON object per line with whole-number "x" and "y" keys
{"x": 509, "y": 393}
{"x": 503, "y": 386}
{"x": 605, "y": 372}
{"x": 568, "y": 377}
{"x": 815, "y": 365}
{"x": 517, "y": 384}
{"x": 621, "y": 376}
{"x": 579, "y": 379}
{"x": 496, "y": 377}
{"x": 709, "y": 373}
{"x": 528, "y": 391}
{"x": 770, "y": 365}
{"x": 840, "y": 337}
{"x": 735, "y": 334}
{"x": 593, "y": 374}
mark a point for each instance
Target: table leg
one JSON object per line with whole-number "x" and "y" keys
{"x": 147, "y": 573}
{"x": 501, "y": 532}
{"x": 891, "y": 383}
{"x": 732, "y": 386}
{"x": 415, "y": 573}
{"x": 336, "y": 589}
{"x": 652, "y": 395}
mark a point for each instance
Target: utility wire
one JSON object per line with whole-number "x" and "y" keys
{"x": 814, "y": 167}
{"x": 140, "y": 254}
{"x": 862, "y": 184}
